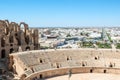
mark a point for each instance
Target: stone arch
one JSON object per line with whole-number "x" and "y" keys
{"x": 2, "y": 26}
{"x": 41, "y": 76}
{"x": 91, "y": 70}
{"x": 58, "y": 65}
{"x": 17, "y": 27}
{"x": 11, "y": 50}
{"x": 14, "y": 26}
{"x": 27, "y": 48}
{"x": 24, "y": 26}
{"x": 7, "y": 23}
{"x": 68, "y": 59}
{"x": 105, "y": 71}
{"x": 96, "y": 58}
{"x": 3, "y": 53}
{"x": 11, "y": 39}
{"x": 7, "y": 27}
{"x": 83, "y": 64}
{"x": 3, "y": 23}
{"x": 41, "y": 61}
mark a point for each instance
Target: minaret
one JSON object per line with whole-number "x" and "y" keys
{"x": 103, "y": 34}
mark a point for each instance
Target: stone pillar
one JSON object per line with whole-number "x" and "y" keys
{"x": 36, "y": 37}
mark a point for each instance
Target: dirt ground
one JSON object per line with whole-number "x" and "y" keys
{"x": 88, "y": 76}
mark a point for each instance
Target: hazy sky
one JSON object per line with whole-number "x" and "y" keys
{"x": 40, "y": 13}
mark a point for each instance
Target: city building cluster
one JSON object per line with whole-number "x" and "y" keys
{"x": 79, "y": 38}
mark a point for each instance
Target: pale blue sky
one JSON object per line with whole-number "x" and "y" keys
{"x": 52, "y": 13}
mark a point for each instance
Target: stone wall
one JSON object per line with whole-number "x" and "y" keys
{"x": 75, "y": 70}
{"x": 15, "y": 37}
{"x": 48, "y": 63}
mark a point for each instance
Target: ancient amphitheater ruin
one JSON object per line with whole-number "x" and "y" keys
{"x": 43, "y": 64}
{"x": 16, "y": 39}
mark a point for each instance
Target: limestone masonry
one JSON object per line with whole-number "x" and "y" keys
{"x": 15, "y": 37}
{"x": 42, "y": 64}
{"x": 20, "y": 58}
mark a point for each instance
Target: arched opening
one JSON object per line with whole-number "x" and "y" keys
{"x": 91, "y": 71}
{"x": 111, "y": 65}
{"x": 41, "y": 76}
{"x": 3, "y": 54}
{"x": 41, "y": 61}
{"x": 2, "y": 42}
{"x": 11, "y": 44}
{"x": 83, "y": 64}
{"x": 25, "y": 69}
{"x": 18, "y": 41}
{"x": 96, "y": 58}
{"x": 27, "y": 39}
{"x": 22, "y": 27}
{"x": 16, "y": 34}
{"x": 11, "y": 40}
{"x": 11, "y": 50}
{"x": 1, "y": 71}
{"x": 57, "y": 65}
{"x": 105, "y": 71}
{"x": 7, "y": 27}
{"x": 7, "y": 23}
{"x": 27, "y": 48}
{"x": 14, "y": 26}
{"x": 67, "y": 58}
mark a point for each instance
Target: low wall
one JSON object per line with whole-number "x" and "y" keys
{"x": 65, "y": 71}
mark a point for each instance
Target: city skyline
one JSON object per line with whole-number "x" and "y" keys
{"x": 62, "y": 13}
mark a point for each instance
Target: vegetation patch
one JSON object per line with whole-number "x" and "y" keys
{"x": 118, "y": 45}
{"x": 104, "y": 45}
{"x": 87, "y": 45}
